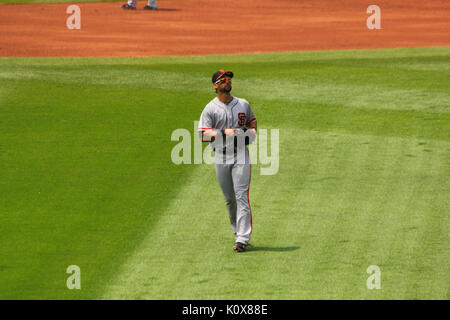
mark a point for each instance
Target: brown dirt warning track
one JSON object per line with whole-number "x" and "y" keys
{"x": 198, "y": 27}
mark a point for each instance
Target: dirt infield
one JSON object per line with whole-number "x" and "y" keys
{"x": 197, "y": 27}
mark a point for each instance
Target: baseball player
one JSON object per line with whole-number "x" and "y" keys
{"x": 152, "y": 5}
{"x": 229, "y": 124}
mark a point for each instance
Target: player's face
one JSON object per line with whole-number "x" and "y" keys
{"x": 224, "y": 84}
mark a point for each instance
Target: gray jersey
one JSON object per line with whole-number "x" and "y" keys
{"x": 220, "y": 116}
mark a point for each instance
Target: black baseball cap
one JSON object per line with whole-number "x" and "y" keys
{"x": 220, "y": 74}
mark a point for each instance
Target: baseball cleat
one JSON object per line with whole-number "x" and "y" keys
{"x": 150, "y": 8}
{"x": 239, "y": 247}
{"x": 127, "y": 6}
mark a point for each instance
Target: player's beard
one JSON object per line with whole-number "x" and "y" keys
{"x": 226, "y": 90}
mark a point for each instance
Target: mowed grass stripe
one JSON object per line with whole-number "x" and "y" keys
{"x": 315, "y": 232}
{"x": 372, "y": 81}
{"x": 337, "y": 175}
{"x": 390, "y": 186}
{"x": 393, "y": 56}
{"x": 325, "y": 204}
{"x": 339, "y": 118}
{"x": 302, "y": 82}
{"x": 85, "y": 172}
{"x": 321, "y": 93}
{"x": 188, "y": 230}
{"x": 419, "y": 185}
{"x": 369, "y": 216}
{"x": 429, "y": 244}
{"x": 383, "y": 184}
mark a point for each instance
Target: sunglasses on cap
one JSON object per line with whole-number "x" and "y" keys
{"x": 220, "y": 75}
{"x": 222, "y": 80}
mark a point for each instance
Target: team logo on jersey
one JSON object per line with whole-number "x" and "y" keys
{"x": 241, "y": 117}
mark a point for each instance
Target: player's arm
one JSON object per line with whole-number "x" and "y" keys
{"x": 251, "y": 123}
{"x": 206, "y": 127}
{"x": 252, "y": 126}
{"x": 209, "y": 135}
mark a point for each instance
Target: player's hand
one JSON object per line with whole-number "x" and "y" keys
{"x": 229, "y": 132}
{"x": 239, "y": 131}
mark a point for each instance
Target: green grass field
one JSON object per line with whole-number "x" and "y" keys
{"x": 87, "y": 178}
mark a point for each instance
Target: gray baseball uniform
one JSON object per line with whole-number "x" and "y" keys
{"x": 232, "y": 161}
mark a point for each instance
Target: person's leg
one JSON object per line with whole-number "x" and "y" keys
{"x": 152, "y": 5}
{"x": 223, "y": 172}
{"x": 241, "y": 174}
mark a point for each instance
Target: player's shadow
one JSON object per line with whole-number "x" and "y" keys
{"x": 277, "y": 249}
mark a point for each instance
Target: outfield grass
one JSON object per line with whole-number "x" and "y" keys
{"x": 87, "y": 178}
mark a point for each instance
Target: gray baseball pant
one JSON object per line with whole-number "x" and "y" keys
{"x": 151, "y": 3}
{"x": 234, "y": 180}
